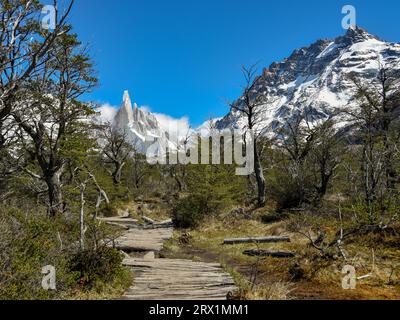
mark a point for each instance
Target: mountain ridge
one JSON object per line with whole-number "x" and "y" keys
{"x": 315, "y": 78}
{"x": 312, "y": 78}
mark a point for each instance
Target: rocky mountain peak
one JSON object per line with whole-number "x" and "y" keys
{"x": 124, "y": 115}
{"x": 315, "y": 78}
{"x": 354, "y": 35}
{"x": 142, "y": 128}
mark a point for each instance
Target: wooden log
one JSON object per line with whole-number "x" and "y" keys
{"x": 168, "y": 221}
{"x": 148, "y": 220}
{"x": 267, "y": 253}
{"x": 119, "y": 220}
{"x": 155, "y": 226}
{"x": 119, "y": 225}
{"x": 257, "y": 240}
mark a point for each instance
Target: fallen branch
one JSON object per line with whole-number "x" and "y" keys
{"x": 364, "y": 277}
{"x": 257, "y": 240}
{"x": 148, "y": 220}
{"x": 266, "y": 253}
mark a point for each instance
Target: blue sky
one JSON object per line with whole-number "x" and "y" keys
{"x": 183, "y": 57}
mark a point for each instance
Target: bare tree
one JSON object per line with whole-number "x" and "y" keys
{"x": 24, "y": 48}
{"x": 138, "y": 168}
{"x": 117, "y": 150}
{"x": 378, "y": 101}
{"x": 375, "y": 119}
{"x": 326, "y": 155}
{"x": 313, "y": 153}
{"x": 250, "y": 106}
{"x": 296, "y": 139}
{"x": 176, "y": 170}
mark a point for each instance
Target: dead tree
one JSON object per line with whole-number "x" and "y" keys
{"x": 296, "y": 139}
{"x": 326, "y": 155}
{"x": 250, "y": 106}
{"x": 376, "y": 121}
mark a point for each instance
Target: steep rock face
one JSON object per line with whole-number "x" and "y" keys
{"x": 315, "y": 79}
{"x": 124, "y": 115}
{"x": 142, "y": 129}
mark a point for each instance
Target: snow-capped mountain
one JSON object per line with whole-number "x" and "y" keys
{"x": 315, "y": 79}
{"x": 142, "y": 128}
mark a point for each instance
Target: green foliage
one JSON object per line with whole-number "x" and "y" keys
{"x": 93, "y": 266}
{"x": 108, "y": 210}
{"x": 30, "y": 241}
{"x": 211, "y": 189}
{"x": 289, "y": 190}
{"x": 190, "y": 211}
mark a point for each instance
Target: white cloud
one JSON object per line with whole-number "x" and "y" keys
{"x": 177, "y": 128}
{"x": 107, "y": 112}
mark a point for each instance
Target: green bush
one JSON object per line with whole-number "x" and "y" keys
{"x": 108, "y": 210}
{"x": 289, "y": 192}
{"x": 189, "y": 212}
{"x": 30, "y": 241}
{"x": 27, "y": 244}
{"x": 103, "y": 264}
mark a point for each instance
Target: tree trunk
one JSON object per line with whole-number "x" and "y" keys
{"x": 325, "y": 179}
{"x": 82, "y": 217}
{"x": 53, "y": 182}
{"x": 118, "y": 172}
{"x": 179, "y": 183}
{"x": 259, "y": 177}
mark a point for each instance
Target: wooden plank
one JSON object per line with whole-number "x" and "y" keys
{"x": 139, "y": 240}
{"x": 119, "y": 220}
{"x": 257, "y": 240}
{"x": 170, "y": 279}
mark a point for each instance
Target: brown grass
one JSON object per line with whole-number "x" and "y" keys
{"x": 274, "y": 279}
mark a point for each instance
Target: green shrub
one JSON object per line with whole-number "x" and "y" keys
{"x": 92, "y": 266}
{"x": 289, "y": 192}
{"x": 189, "y": 212}
{"x": 108, "y": 210}
{"x": 30, "y": 241}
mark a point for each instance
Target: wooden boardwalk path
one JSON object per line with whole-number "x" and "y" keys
{"x": 172, "y": 279}
{"x": 169, "y": 279}
{"x": 144, "y": 240}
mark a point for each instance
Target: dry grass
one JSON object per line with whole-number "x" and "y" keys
{"x": 276, "y": 291}
{"x": 319, "y": 278}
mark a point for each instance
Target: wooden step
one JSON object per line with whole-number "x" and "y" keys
{"x": 169, "y": 279}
